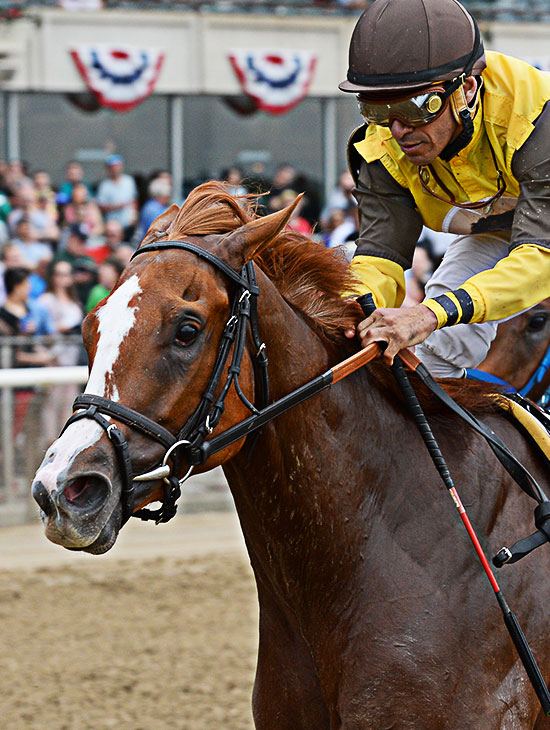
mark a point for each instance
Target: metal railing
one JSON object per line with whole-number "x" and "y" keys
{"x": 34, "y": 405}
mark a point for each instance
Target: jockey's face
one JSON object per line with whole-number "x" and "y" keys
{"x": 424, "y": 143}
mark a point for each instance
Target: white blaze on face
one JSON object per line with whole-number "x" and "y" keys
{"x": 116, "y": 318}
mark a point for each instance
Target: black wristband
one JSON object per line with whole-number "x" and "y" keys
{"x": 451, "y": 310}
{"x": 466, "y": 304}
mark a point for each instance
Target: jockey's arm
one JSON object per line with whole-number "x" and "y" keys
{"x": 522, "y": 278}
{"x": 389, "y": 227}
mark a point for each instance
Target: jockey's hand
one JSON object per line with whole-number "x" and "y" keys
{"x": 400, "y": 328}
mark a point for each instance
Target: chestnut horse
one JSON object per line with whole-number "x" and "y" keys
{"x": 520, "y": 353}
{"x": 374, "y": 612}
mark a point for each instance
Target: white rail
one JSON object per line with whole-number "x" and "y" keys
{"x": 20, "y": 377}
{"x": 11, "y": 474}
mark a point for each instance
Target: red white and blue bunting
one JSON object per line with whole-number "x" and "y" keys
{"x": 277, "y": 80}
{"x": 120, "y": 76}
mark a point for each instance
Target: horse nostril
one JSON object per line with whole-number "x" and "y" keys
{"x": 43, "y": 498}
{"x": 87, "y": 492}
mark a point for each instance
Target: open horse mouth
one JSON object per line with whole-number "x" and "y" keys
{"x": 82, "y": 515}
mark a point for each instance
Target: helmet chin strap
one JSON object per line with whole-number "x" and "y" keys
{"x": 464, "y": 116}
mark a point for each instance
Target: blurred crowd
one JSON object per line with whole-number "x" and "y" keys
{"x": 63, "y": 248}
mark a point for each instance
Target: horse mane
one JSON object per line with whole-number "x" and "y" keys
{"x": 308, "y": 276}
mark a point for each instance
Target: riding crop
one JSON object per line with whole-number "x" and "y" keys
{"x": 512, "y": 624}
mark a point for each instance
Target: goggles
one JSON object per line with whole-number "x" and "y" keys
{"x": 413, "y": 111}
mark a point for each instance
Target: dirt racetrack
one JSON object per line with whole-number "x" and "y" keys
{"x": 158, "y": 634}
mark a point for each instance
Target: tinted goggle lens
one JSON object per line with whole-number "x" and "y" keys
{"x": 414, "y": 111}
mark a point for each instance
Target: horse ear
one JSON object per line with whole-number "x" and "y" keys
{"x": 248, "y": 241}
{"x": 160, "y": 225}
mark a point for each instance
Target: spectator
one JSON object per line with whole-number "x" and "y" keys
{"x": 34, "y": 252}
{"x": 61, "y": 301}
{"x": 160, "y": 195}
{"x": 74, "y": 173}
{"x": 338, "y": 227}
{"x": 45, "y": 194}
{"x": 296, "y": 223}
{"x": 44, "y": 228}
{"x": 341, "y": 196}
{"x": 124, "y": 252}
{"x": 283, "y": 179}
{"x": 109, "y": 272}
{"x": 256, "y": 180}
{"x": 82, "y": 210}
{"x": 4, "y": 232}
{"x": 258, "y": 184}
{"x": 3, "y": 177}
{"x": 114, "y": 237}
{"x": 11, "y": 257}
{"x": 16, "y": 318}
{"x": 84, "y": 266}
{"x": 85, "y": 278}
{"x": 16, "y": 176}
{"x": 75, "y": 244}
{"x": 233, "y": 179}
{"x": 117, "y": 195}
{"x": 51, "y": 233}
{"x": 5, "y": 207}
{"x": 418, "y": 275}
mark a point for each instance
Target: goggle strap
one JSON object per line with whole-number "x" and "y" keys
{"x": 455, "y": 84}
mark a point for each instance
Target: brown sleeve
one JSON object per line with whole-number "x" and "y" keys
{"x": 531, "y": 168}
{"x": 389, "y": 223}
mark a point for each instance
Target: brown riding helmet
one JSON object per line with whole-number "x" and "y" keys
{"x": 406, "y": 45}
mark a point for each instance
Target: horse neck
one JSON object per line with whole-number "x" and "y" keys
{"x": 296, "y": 351}
{"x": 304, "y": 467}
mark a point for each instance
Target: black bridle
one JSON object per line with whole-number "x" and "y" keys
{"x": 244, "y": 315}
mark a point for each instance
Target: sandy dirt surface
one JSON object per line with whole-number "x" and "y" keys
{"x": 158, "y": 634}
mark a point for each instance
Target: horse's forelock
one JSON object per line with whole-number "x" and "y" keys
{"x": 209, "y": 210}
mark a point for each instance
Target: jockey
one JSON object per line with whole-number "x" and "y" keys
{"x": 457, "y": 139}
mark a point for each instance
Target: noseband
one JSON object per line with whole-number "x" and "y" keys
{"x": 244, "y": 311}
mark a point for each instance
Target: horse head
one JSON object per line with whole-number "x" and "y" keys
{"x": 520, "y": 352}
{"x": 153, "y": 345}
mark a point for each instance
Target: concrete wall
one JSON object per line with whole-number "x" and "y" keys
{"x": 196, "y": 46}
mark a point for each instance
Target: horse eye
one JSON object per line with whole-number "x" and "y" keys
{"x": 537, "y": 322}
{"x": 186, "y": 333}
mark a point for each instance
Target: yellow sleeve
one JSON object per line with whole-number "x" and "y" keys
{"x": 515, "y": 283}
{"x": 382, "y": 278}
